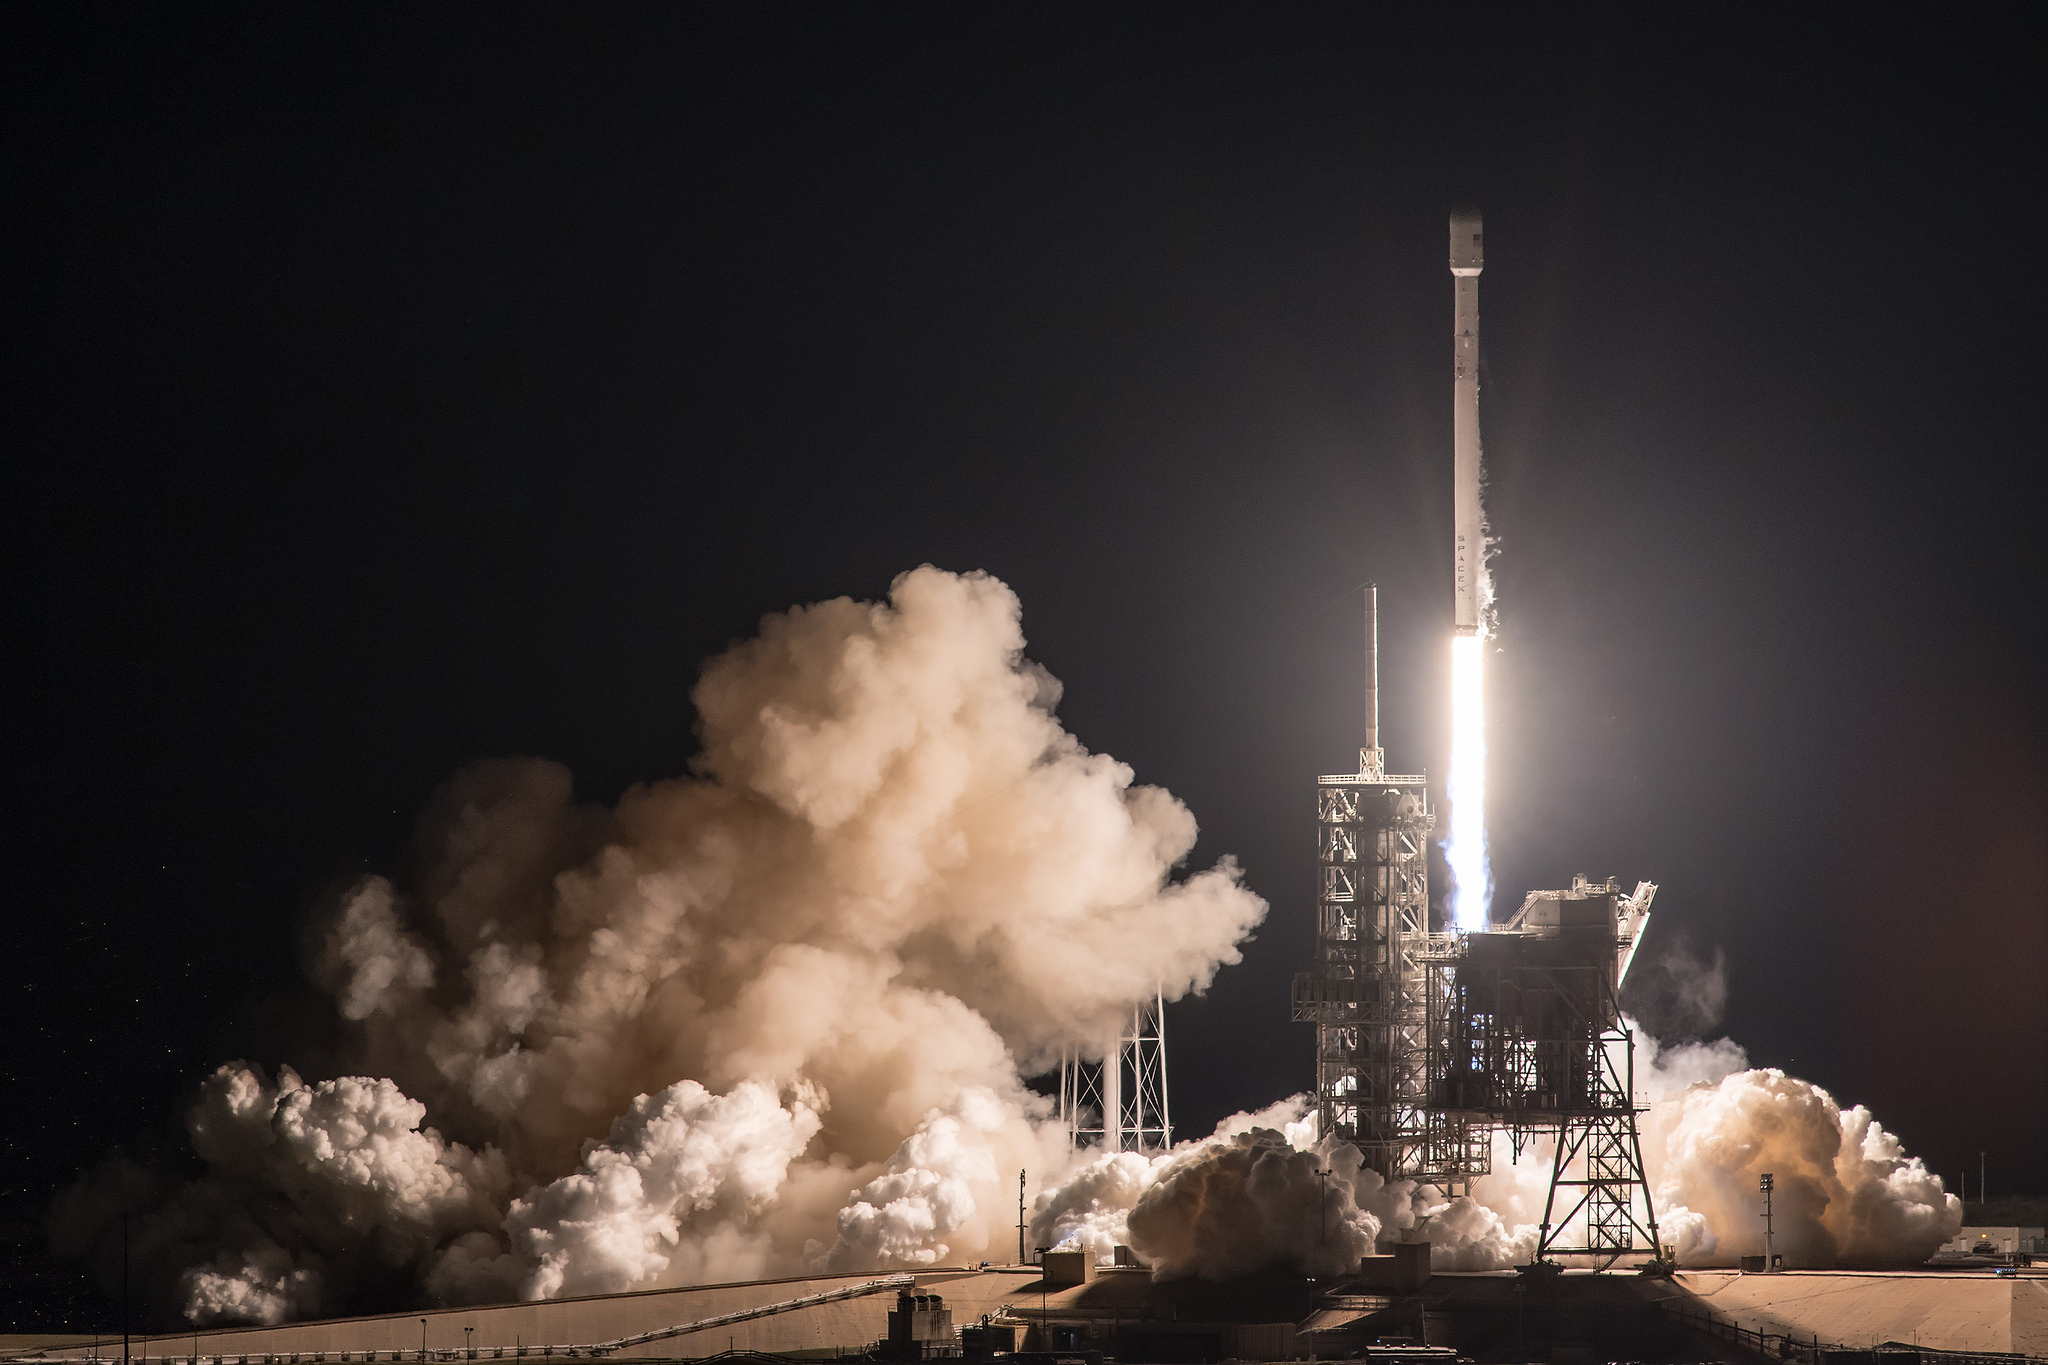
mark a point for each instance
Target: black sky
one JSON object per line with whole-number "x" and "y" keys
{"x": 385, "y": 389}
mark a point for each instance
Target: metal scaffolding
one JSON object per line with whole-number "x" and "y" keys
{"x": 1429, "y": 1042}
{"x": 1526, "y": 1035}
{"x": 1120, "y": 1105}
{"x": 1368, "y": 991}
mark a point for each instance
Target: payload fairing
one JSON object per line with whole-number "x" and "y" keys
{"x": 1467, "y": 258}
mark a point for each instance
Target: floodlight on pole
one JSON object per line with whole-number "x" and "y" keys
{"x": 1765, "y": 1185}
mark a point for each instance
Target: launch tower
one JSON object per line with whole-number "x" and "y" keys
{"x": 1368, "y": 992}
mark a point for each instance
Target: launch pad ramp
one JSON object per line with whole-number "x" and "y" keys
{"x": 852, "y": 1291}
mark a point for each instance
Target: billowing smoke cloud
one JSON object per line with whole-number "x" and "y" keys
{"x": 685, "y": 1158}
{"x": 1715, "y": 1124}
{"x": 1846, "y": 1192}
{"x": 767, "y": 1017}
{"x": 1248, "y": 1197}
{"x": 772, "y": 1017}
{"x": 1250, "y": 1201}
{"x": 1679, "y": 992}
{"x": 1265, "y": 1191}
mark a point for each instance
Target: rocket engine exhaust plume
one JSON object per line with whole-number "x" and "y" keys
{"x": 1465, "y": 786}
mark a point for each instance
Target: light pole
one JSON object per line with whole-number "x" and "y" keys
{"x": 468, "y": 1343}
{"x": 1981, "y": 1187}
{"x": 1764, "y": 1185}
{"x": 423, "y": 1338}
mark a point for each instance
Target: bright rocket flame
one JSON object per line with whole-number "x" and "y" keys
{"x": 1465, "y": 849}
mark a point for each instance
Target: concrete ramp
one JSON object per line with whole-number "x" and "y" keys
{"x": 1954, "y": 1311}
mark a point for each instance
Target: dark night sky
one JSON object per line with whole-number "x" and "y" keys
{"x": 388, "y": 389}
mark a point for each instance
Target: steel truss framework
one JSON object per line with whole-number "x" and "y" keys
{"x": 1609, "y": 1153}
{"x": 1428, "y": 1043}
{"x": 1526, "y": 1035}
{"x": 1118, "y": 1103}
{"x": 1368, "y": 992}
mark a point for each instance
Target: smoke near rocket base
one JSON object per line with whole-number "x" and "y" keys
{"x": 774, "y": 1017}
{"x": 766, "y": 1018}
{"x": 1254, "y": 1195}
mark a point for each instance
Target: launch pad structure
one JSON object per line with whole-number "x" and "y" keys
{"x": 1431, "y": 1040}
{"x": 1368, "y": 993}
{"x": 1526, "y": 1036}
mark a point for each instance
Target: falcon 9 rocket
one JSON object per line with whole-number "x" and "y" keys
{"x": 1465, "y": 786}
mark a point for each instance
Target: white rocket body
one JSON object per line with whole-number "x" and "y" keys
{"x": 1470, "y": 543}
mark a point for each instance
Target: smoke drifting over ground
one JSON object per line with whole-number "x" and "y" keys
{"x": 773, "y": 1017}
{"x": 1847, "y": 1194}
{"x": 767, "y": 1017}
{"x": 1249, "y": 1198}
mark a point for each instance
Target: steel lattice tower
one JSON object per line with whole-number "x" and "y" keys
{"x": 1119, "y": 1102}
{"x": 1368, "y": 992}
{"x": 1527, "y": 1035}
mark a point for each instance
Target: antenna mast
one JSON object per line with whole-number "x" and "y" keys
{"x": 1372, "y": 760}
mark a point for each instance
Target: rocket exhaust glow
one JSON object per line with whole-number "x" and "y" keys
{"x": 1465, "y": 848}
{"x": 1465, "y": 786}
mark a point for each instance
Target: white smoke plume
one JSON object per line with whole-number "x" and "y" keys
{"x": 769, "y": 1016}
{"x": 1847, "y": 1194}
{"x": 1250, "y": 1201}
{"x": 1265, "y": 1191}
{"x": 924, "y": 1204}
{"x": 683, "y": 1159}
{"x": 1235, "y": 1202}
{"x": 774, "y": 1016}
{"x": 349, "y": 1153}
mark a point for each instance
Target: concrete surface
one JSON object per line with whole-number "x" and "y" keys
{"x": 1947, "y": 1310}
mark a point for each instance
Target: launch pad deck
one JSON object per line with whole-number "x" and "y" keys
{"x": 1486, "y": 1315}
